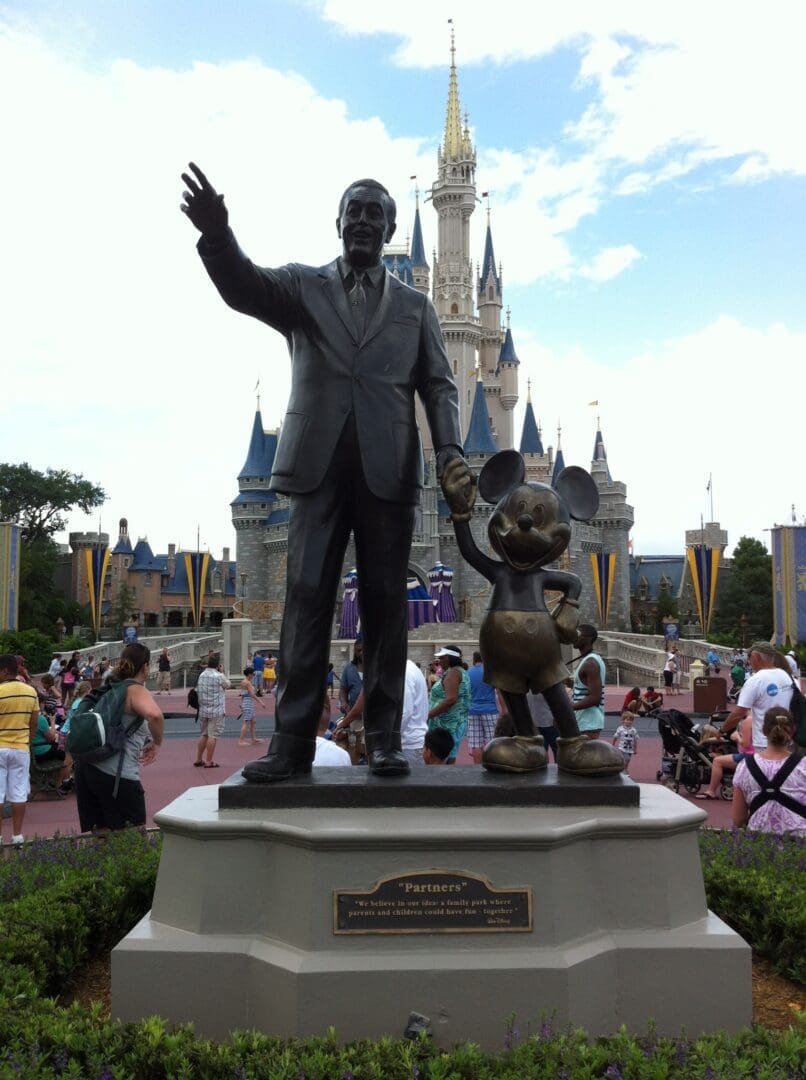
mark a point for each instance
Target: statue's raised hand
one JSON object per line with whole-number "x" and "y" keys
{"x": 203, "y": 205}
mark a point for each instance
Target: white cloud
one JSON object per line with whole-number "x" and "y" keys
{"x": 609, "y": 263}
{"x": 724, "y": 78}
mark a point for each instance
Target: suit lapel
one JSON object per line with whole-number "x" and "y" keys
{"x": 334, "y": 291}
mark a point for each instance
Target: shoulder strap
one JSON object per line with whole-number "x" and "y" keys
{"x": 771, "y": 788}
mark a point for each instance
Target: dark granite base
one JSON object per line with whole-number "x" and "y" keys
{"x": 428, "y": 786}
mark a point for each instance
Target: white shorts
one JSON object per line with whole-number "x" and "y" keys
{"x": 15, "y": 766}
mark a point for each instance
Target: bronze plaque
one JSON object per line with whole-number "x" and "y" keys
{"x": 432, "y": 902}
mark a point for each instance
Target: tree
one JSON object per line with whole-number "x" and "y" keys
{"x": 122, "y": 606}
{"x": 666, "y": 605}
{"x": 38, "y": 502}
{"x": 748, "y": 591}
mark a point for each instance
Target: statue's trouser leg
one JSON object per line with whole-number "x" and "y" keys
{"x": 318, "y": 531}
{"x": 518, "y": 709}
{"x": 560, "y": 706}
{"x": 383, "y": 532}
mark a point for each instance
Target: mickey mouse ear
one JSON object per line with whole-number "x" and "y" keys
{"x": 504, "y": 471}
{"x": 578, "y": 491}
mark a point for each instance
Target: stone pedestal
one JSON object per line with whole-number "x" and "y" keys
{"x": 237, "y": 638}
{"x": 609, "y": 924}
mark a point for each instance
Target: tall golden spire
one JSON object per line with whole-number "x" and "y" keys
{"x": 453, "y": 143}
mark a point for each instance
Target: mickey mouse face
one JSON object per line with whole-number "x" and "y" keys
{"x": 529, "y": 527}
{"x": 531, "y": 522}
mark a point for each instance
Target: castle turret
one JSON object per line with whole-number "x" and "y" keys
{"x": 508, "y": 364}
{"x": 538, "y": 463}
{"x": 253, "y": 505}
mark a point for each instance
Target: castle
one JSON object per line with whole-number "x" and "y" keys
{"x": 469, "y": 301}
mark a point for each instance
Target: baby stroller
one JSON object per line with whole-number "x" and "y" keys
{"x": 683, "y": 760}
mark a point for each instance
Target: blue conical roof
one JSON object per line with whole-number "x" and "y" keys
{"x": 530, "y": 439}
{"x": 479, "y": 439}
{"x": 488, "y": 262}
{"x": 559, "y": 465}
{"x": 417, "y": 246}
{"x": 260, "y": 458}
{"x": 508, "y": 354}
{"x": 599, "y": 453}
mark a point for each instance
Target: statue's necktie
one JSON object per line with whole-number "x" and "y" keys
{"x": 358, "y": 302}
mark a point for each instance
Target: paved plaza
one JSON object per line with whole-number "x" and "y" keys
{"x": 173, "y": 772}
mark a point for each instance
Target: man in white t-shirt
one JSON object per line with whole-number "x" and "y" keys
{"x": 414, "y": 722}
{"x": 327, "y": 752}
{"x": 768, "y": 685}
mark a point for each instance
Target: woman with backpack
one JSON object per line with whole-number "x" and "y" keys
{"x": 769, "y": 789}
{"x": 109, "y": 793}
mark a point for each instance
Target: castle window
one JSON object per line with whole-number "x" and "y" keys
{"x": 490, "y": 293}
{"x": 643, "y": 589}
{"x": 148, "y": 577}
{"x": 125, "y": 564}
{"x": 454, "y": 309}
{"x": 455, "y": 368}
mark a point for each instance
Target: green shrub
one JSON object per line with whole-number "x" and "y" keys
{"x": 754, "y": 881}
{"x": 62, "y": 900}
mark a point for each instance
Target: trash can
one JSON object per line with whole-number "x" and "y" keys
{"x": 710, "y": 694}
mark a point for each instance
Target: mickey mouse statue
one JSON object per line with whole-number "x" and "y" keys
{"x": 519, "y": 637}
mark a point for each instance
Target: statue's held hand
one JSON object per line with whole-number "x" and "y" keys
{"x": 203, "y": 205}
{"x": 566, "y": 619}
{"x": 459, "y": 488}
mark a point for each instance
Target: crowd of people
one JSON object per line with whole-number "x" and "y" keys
{"x": 447, "y": 704}
{"x": 35, "y": 724}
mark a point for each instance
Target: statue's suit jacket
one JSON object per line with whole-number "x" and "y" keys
{"x": 334, "y": 373}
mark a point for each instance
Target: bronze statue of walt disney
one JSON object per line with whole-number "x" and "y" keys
{"x": 361, "y": 345}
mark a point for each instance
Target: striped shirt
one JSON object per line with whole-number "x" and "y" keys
{"x": 17, "y": 702}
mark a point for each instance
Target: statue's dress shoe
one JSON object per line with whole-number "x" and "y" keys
{"x": 275, "y": 767}
{"x": 516, "y": 753}
{"x": 589, "y": 757}
{"x": 387, "y": 763}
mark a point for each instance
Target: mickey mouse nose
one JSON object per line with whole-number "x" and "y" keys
{"x": 525, "y": 522}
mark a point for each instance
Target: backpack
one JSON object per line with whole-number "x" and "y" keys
{"x": 797, "y": 706}
{"x": 97, "y": 731}
{"x": 193, "y": 700}
{"x": 771, "y": 789}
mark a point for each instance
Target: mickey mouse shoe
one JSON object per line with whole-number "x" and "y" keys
{"x": 589, "y": 757}
{"x": 515, "y": 753}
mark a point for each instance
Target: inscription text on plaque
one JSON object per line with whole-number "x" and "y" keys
{"x": 432, "y": 902}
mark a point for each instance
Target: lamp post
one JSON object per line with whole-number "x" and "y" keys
{"x": 743, "y": 623}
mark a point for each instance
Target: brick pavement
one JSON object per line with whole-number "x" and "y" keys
{"x": 173, "y": 772}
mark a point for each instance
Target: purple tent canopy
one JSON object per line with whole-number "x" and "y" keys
{"x": 348, "y": 627}
{"x": 422, "y": 609}
{"x": 440, "y": 579}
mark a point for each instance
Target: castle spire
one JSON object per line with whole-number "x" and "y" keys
{"x": 599, "y": 452}
{"x": 488, "y": 261}
{"x": 559, "y": 460}
{"x": 531, "y": 442}
{"x": 453, "y": 140}
{"x": 479, "y": 438}
{"x": 417, "y": 246}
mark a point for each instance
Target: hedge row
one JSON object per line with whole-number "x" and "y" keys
{"x": 62, "y": 901}
{"x": 755, "y": 882}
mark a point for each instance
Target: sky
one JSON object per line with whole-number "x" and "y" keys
{"x": 647, "y": 170}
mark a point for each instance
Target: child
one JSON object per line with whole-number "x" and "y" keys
{"x": 626, "y": 738}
